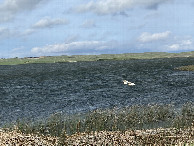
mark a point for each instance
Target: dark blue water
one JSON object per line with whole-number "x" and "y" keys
{"x": 38, "y": 90}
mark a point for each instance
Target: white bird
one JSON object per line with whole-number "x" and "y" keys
{"x": 125, "y": 81}
{"x": 129, "y": 83}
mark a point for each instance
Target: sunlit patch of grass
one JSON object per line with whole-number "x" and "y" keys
{"x": 186, "y": 68}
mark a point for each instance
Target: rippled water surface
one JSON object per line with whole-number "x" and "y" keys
{"x": 37, "y": 90}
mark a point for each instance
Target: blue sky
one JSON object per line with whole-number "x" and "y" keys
{"x": 70, "y": 27}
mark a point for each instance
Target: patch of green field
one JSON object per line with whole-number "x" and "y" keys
{"x": 102, "y": 57}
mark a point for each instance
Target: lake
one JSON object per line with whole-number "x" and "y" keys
{"x": 38, "y": 90}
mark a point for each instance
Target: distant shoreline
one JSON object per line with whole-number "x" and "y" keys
{"x": 102, "y": 57}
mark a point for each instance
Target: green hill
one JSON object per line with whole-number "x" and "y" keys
{"x": 102, "y": 57}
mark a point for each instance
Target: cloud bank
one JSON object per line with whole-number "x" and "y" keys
{"x": 182, "y": 45}
{"x": 148, "y": 37}
{"x": 9, "y": 8}
{"x": 103, "y": 7}
{"x": 48, "y": 22}
{"x": 45, "y": 23}
{"x": 82, "y": 46}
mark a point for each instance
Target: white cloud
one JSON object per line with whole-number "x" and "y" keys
{"x": 148, "y": 37}
{"x": 186, "y": 42}
{"x": 9, "y": 8}
{"x": 47, "y": 22}
{"x": 183, "y": 45}
{"x": 88, "y": 24}
{"x": 79, "y": 47}
{"x": 28, "y": 32}
{"x": 103, "y": 7}
{"x": 174, "y": 46}
{"x": 165, "y": 41}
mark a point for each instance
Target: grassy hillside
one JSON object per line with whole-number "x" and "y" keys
{"x": 102, "y": 57}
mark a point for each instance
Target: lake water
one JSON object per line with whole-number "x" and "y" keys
{"x": 38, "y": 90}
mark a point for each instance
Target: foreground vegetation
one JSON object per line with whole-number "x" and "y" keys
{"x": 75, "y": 58}
{"x": 152, "y": 124}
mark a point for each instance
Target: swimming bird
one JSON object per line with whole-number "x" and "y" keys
{"x": 125, "y": 81}
{"x": 129, "y": 83}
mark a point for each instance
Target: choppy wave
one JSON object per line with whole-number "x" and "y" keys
{"x": 37, "y": 90}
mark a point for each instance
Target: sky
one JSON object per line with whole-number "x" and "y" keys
{"x": 32, "y": 28}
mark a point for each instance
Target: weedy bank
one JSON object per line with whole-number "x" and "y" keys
{"x": 150, "y": 124}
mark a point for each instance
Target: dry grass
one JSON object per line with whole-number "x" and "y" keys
{"x": 124, "y": 126}
{"x": 15, "y": 138}
{"x": 129, "y": 137}
{"x": 134, "y": 137}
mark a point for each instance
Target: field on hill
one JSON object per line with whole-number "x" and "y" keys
{"x": 76, "y": 58}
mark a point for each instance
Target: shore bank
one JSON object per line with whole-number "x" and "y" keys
{"x": 137, "y": 125}
{"x": 130, "y": 137}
